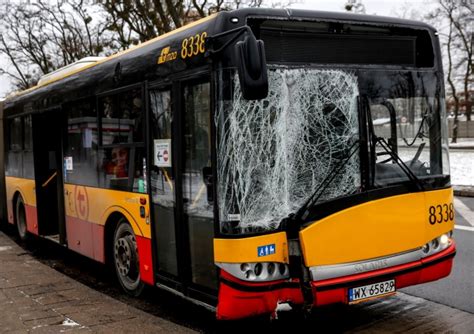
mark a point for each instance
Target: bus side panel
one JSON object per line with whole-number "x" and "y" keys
{"x": 87, "y": 211}
{"x": 26, "y": 188}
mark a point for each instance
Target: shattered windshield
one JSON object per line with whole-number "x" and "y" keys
{"x": 272, "y": 154}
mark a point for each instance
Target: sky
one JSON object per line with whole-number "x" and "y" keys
{"x": 377, "y": 7}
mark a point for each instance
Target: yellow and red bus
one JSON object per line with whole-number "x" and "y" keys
{"x": 252, "y": 158}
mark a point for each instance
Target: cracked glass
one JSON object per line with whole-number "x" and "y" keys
{"x": 274, "y": 153}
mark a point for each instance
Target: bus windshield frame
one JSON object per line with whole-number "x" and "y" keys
{"x": 420, "y": 141}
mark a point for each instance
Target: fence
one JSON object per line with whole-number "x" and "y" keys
{"x": 465, "y": 128}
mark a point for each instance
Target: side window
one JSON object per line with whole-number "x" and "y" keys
{"x": 28, "y": 164}
{"x": 28, "y": 131}
{"x": 16, "y": 131}
{"x": 122, "y": 117}
{"x": 15, "y": 145}
{"x": 121, "y": 153}
{"x": 80, "y": 151}
{"x": 123, "y": 168}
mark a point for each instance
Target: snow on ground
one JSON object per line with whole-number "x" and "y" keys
{"x": 461, "y": 160}
{"x": 462, "y": 166}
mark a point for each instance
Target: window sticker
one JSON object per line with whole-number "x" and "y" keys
{"x": 162, "y": 152}
{"x": 266, "y": 250}
{"x": 68, "y": 163}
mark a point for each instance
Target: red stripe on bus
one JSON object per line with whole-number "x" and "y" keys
{"x": 144, "y": 254}
{"x": 85, "y": 238}
{"x": 31, "y": 219}
{"x": 10, "y": 212}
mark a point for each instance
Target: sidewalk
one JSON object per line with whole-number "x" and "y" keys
{"x": 35, "y": 298}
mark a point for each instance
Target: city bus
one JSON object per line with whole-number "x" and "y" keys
{"x": 253, "y": 158}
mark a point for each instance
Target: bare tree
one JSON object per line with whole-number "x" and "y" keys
{"x": 451, "y": 83}
{"x": 41, "y": 36}
{"x": 355, "y": 6}
{"x": 136, "y": 21}
{"x": 461, "y": 16}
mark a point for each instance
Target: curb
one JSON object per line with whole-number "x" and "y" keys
{"x": 463, "y": 191}
{"x": 461, "y": 147}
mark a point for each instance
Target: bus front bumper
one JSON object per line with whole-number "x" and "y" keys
{"x": 239, "y": 299}
{"x": 431, "y": 268}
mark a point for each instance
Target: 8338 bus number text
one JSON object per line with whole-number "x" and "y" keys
{"x": 440, "y": 213}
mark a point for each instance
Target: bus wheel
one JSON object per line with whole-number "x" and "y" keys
{"x": 126, "y": 259}
{"x": 20, "y": 219}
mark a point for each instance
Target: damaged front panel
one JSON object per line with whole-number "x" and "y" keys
{"x": 274, "y": 153}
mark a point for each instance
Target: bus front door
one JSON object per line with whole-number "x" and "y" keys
{"x": 181, "y": 188}
{"x": 197, "y": 198}
{"x": 47, "y": 151}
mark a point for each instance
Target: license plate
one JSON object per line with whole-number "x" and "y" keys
{"x": 370, "y": 291}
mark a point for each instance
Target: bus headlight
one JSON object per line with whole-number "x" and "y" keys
{"x": 257, "y": 271}
{"x": 444, "y": 239}
{"x": 437, "y": 244}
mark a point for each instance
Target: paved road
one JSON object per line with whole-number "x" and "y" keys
{"x": 37, "y": 299}
{"x": 443, "y": 306}
{"x": 47, "y": 301}
{"x": 458, "y": 289}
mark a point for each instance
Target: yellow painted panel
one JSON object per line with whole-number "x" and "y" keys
{"x": 373, "y": 229}
{"x": 96, "y": 205}
{"x": 245, "y": 249}
{"x": 26, "y": 187}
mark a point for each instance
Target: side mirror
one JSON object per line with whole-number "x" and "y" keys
{"x": 252, "y": 68}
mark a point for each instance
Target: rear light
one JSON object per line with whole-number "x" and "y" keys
{"x": 257, "y": 271}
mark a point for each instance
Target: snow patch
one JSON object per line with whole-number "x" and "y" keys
{"x": 69, "y": 323}
{"x": 283, "y": 307}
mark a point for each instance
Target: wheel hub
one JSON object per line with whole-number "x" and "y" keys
{"x": 124, "y": 255}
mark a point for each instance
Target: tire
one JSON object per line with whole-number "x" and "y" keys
{"x": 20, "y": 219}
{"x": 126, "y": 261}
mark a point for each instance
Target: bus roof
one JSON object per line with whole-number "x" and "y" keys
{"x": 118, "y": 54}
{"x": 243, "y": 14}
{"x": 301, "y": 14}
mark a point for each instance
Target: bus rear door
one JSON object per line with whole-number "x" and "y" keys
{"x": 47, "y": 150}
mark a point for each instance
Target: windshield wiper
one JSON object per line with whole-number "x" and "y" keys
{"x": 395, "y": 157}
{"x": 373, "y": 143}
{"x": 303, "y": 212}
{"x": 419, "y": 134}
